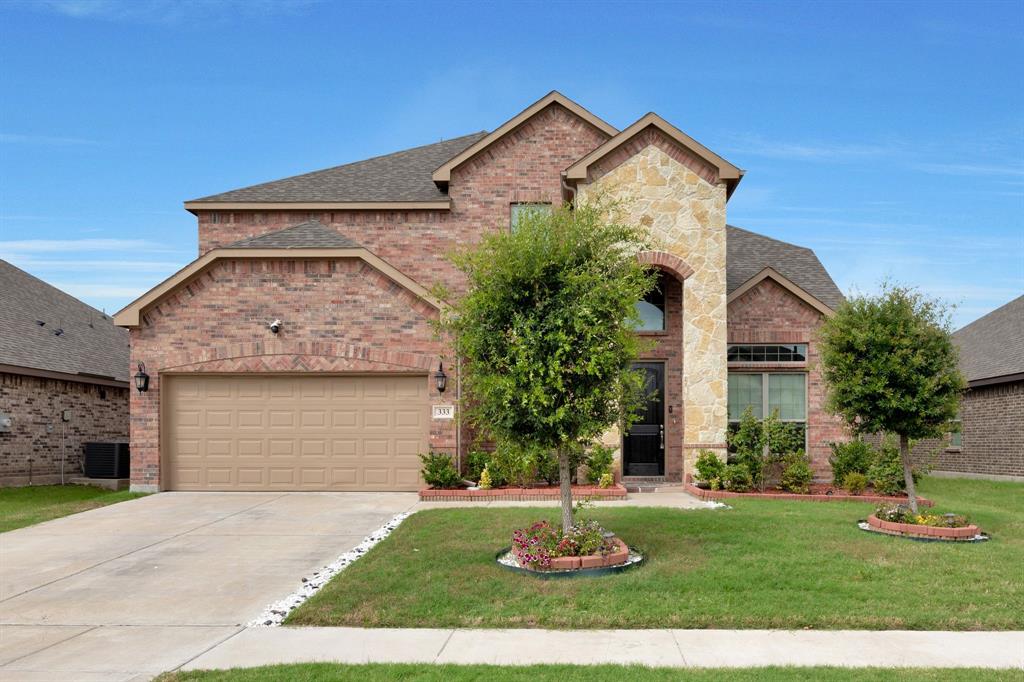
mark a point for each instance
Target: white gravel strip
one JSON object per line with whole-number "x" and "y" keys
{"x": 274, "y": 614}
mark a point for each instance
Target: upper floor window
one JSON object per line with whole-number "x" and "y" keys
{"x": 652, "y": 308}
{"x": 750, "y": 352}
{"x": 517, "y": 211}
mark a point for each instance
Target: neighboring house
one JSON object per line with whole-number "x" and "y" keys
{"x": 340, "y": 396}
{"x": 991, "y": 437}
{"x": 63, "y": 380}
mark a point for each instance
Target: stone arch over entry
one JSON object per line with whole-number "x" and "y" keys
{"x": 666, "y": 261}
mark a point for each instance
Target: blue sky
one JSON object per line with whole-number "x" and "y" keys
{"x": 889, "y": 137}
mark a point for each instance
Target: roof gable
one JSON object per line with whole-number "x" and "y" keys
{"x": 726, "y": 171}
{"x": 88, "y": 342}
{"x": 443, "y": 173}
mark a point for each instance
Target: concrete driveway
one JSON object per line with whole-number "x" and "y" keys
{"x": 128, "y": 591}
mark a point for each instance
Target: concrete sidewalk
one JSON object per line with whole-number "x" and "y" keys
{"x": 662, "y": 648}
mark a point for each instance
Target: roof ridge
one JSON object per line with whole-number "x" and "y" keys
{"x": 342, "y": 165}
{"x": 764, "y": 236}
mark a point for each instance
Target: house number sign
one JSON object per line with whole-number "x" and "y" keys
{"x": 443, "y": 411}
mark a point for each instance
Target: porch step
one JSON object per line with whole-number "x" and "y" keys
{"x": 647, "y": 484}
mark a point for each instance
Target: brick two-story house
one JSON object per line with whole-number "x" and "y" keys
{"x": 340, "y": 396}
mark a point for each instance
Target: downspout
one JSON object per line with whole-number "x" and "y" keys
{"x": 569, "y": 189}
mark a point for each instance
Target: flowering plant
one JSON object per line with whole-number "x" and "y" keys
{"x": 900, "y": 513}
{"x": 536, "y": 545}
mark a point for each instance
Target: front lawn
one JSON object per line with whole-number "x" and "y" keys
{"x": 328, "y": 672}
{"x": 763, "y": 564}
{"x": 20, "y": 507}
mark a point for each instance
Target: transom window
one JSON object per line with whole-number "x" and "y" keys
{"x": 652, "y": 308}
{"x": 765, "y": 393}
{"x": 758, "y": 352}
{"x": 517, "y": 211}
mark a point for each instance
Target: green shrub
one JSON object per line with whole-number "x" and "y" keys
{"x": 853, "y": 457}
{"x": 746, "y": 443}
{"x": 736, "y": 478}
{"x": 599, "y": 462}
{"x": 439, "y": 472}
{"x": 855, "y": 482}
{"x": 476, "y": 462}
{"x": 796, "y": 473}
{"x": 485, "y": 480}
{"x": 709, "y": 466}
{"x": 607, "y": 480}
{"x": 886, "y": 473}
{"x": 514, "y": 464}
{"x": 547, "y": 466}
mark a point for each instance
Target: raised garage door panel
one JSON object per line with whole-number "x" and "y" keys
{"x": 295, "y": 432}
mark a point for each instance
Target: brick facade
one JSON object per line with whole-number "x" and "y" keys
{"x": 32, "y": 450}
{"x": 768, "y": 313}
{"x": 992, "y": 435}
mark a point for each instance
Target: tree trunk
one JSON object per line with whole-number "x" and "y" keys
{"x": 908, "y": 475}
{"x": 565, "y": 486}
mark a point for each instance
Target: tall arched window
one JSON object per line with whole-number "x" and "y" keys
{"x": 652, "y": 308}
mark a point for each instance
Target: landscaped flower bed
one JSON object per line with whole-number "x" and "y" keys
{"x": 900, "y": 520}
{"x": 541, "y": 547}
{"x": 818, "y": 492}
{"x": 539, "y": 493}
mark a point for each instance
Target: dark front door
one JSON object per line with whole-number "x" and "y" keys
{"x": 643, "y": 448}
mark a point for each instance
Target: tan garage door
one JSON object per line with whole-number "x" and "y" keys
{"x": 295, "y": 432}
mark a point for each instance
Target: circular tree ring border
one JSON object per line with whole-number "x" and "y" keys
{"x": 574, "y": 573}
{"x": 865, "y": 526}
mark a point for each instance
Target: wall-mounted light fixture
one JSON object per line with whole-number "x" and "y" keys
{"x": 440, "y": 378}
{"x": 142, "y": 379}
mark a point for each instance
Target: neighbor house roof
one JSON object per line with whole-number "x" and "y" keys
{"x": 399, "y": 178}
{"x": 749, "y": 253}
{"x": 992, "y": 347}
{"x": 308, "y": 235}
{"x": 74, "y": 339}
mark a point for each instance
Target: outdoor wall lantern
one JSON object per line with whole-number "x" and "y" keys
{"x": 142, "y": 379}
{"x": 441, "y": 378}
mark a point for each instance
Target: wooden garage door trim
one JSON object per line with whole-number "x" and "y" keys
{"x": 355, "y": 475}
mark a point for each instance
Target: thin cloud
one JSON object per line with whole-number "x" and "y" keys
{"x": 172, "y": 12}
{"x": 48, "y": 140}
{"x": 76, "y": 245}
{"x": 967, "y": 169}
{"x": 84, "y": 290}
{"x": 756, "y": 145}
{"x": 122, "y": 265}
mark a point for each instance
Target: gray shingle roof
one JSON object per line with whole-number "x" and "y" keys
{"x": 402, "y": 176}
{"x": 993, "y": 345}
{"x": 307, "y": 235}
{"x": 88, "y": 344}
{"x": 748, "y": 253}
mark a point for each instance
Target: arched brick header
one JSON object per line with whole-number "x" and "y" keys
{"x": 666, "y": 261}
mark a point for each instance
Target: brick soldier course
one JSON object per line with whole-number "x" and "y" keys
{"x": 346, "y": 258}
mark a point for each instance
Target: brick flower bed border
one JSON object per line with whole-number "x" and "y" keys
{"x": 570, "y": 563}
{"x": 915, "y": 530}
{"x": 840, "y": 497}
{"x": 537, "y": 494}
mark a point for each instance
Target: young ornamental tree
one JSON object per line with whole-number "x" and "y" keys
{"x": 546, "y": 330}
{"x": 891, "y": 366}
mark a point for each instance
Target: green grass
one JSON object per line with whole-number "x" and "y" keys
{"x": 328, "y": 672}
{"x": 20, "y": 507}
{"x": 763, "y": 564}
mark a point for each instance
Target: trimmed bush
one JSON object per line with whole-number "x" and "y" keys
{"x": 886, "y": 474}
{"x": 796, "y": 473}
{"x": 736, "y": 478}
{"x": 709, "y": 466}
{"x": 599, "y": 462}
{"x": 476, "y": 462}
{"x": 853, "y": 457}
{"x": 439, "y": 472}
{"x": 855, "y": 482}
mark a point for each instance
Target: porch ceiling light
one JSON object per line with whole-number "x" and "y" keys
{"x": 142, "y": 379}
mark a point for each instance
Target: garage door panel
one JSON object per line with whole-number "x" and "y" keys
{"x": 296, "y": 432}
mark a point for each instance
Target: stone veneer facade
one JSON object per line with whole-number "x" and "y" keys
{"x": 668, "y": 192}
{"x": 32, "y": 451}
